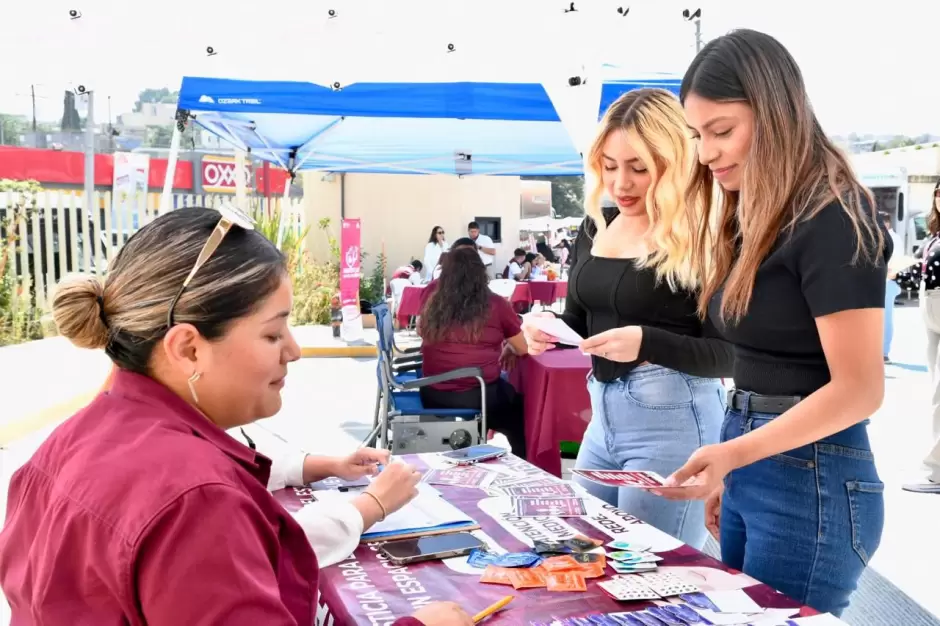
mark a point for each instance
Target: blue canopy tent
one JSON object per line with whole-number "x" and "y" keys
{"x": 462, "y": 128}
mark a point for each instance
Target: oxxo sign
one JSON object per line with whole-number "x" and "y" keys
{"x": 218, "y": 174}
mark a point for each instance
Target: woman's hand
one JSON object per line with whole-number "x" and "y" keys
{"x": 537, "y": 341}
{"x": 701, "y": 476}
{"x": 363, "y": 462}
{"x": 713, "y": 513}
{"x": 618, "y": 344}
{"x": 443, "y": 614}
{"x": 396, "y": 486}
{"x": 507, "y": 359}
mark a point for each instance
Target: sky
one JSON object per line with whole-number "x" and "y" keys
{"x": 867, "y": 69}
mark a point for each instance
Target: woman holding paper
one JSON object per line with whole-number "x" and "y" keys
{"x": 794, "y": 274}
{"x": 164, "y": 517}
{"x": 654, "y": 388}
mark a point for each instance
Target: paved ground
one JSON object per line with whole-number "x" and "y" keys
{"x": 328, "y": 405}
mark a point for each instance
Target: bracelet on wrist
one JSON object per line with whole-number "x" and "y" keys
{"x": 379, "y": 503}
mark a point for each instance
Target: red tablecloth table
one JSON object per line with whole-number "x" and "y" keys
{"x": 410, "y": 304}
{"x": 557, "y": 405}
{"x": 368, "y": 589}
{"x": 547, "y": 291}
{"x": 520, "y": 294}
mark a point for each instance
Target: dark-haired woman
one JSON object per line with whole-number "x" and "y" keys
{"x": 465, "y": 324}
{"x": 795, "y": 278}
{"x": 437, "y": 245}
{"x": 141, "y": 509}
{"x": 925, "y": 276}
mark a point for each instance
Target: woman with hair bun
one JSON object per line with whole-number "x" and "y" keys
{"x": 141, "y": 509}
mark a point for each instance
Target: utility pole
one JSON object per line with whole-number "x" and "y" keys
{"x": 32, "y": 92}
{"x": 90, "y": 204}
{"x": 696, "y": 18}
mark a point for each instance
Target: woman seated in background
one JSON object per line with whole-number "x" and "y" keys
{"x": 538, "y": 267}
{"x": 465, "y": 324}
{"x": 141, "y": 509}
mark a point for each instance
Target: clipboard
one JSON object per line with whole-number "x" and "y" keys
{"x": 428, "y": 514}
{"x": 368, "y": 538}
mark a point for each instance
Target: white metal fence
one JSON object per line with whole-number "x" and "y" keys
{"x": 53, "y": 234}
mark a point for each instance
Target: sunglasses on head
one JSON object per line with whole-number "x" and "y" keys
{"x": 229, "y": 216}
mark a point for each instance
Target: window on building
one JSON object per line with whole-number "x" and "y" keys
{"x": 492, "y": 227}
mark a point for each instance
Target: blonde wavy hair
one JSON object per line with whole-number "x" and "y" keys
{"x": 655, "y": 128}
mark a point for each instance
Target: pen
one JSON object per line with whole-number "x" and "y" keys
{"x": 482, "y": 615}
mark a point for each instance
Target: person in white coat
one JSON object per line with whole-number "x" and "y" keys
{"x": 437, "y": 245}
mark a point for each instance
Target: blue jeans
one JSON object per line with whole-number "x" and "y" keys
{"x": 652, "y": 419}
{"x": 892, "y": 291}
{"x": 805, "y": 522}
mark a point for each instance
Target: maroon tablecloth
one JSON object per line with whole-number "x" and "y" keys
{"x": 546, "y": 291}
{"x": 521, "y": 294}
{"x": 557, "y": 406}
{"x": 410, "y": 304}
{"x": 367, "y": 589}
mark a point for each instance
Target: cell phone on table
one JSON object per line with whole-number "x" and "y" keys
{"x": 434, "y": 547}
{"x": 474, "y": 454}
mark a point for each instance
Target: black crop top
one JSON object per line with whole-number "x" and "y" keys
{"x": 606, "y": 293}
{"x": 810, "y": 272}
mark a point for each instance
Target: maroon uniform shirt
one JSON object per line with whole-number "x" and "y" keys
{"x": 139, "y": 510}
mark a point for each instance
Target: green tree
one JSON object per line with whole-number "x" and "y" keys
{"x": 161, "y": 136}
{"x": 11, "y": 127}
{"x": 70, "y": 119}
{"x": 899, "y": 141}
{"x": 567, "y": 194}
{"x": 152, "y": 96}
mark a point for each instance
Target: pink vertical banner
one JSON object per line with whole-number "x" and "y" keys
{"x": 350, "y": 267}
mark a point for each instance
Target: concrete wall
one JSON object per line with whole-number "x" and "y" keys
{"x": 400, "y": 210}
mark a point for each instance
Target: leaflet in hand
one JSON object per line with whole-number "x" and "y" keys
{"x": 557, "y": 328}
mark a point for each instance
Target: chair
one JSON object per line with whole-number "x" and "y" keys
{"x": 405, "y": 364}
{"x": 398, "y": 403}
{"x": 503, "y": 287}
{"x": 397, "y": 287}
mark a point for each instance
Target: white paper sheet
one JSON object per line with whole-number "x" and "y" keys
{"x": 734, "y": 601}
{"x": 556, "y": 328}
{"x": 427, "y": 510}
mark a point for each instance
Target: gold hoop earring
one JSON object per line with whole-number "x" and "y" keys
{"x": 192, "y": 385}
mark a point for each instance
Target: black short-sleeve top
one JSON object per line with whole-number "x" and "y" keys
{"x": 812, "y": 271}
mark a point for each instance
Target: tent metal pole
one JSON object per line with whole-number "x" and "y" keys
{"x": 241, "y": 192}
{"x": 170, "y": 169}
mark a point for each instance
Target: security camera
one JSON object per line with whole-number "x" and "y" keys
{"x": 81, "y": 89}
{"x": 692, "y": 16}
{"x": 451, "y": 47}
{"x": 574, "y": 81}
{"x": 623, "y": 11}
{"x": 337, "y": 87}
{"x": 210, "y": 51}
{"x": 571, "y": 9}
{"x": 331, "y": 13}
{"x": 74, "y": 14}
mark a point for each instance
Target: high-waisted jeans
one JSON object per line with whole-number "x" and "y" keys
{"x": 652, "y": 419}
{"x": 805, "y": 522}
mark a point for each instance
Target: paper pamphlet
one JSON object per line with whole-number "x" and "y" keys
{"x": 556, "y": 327}
{"x": 427, "y": 512}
